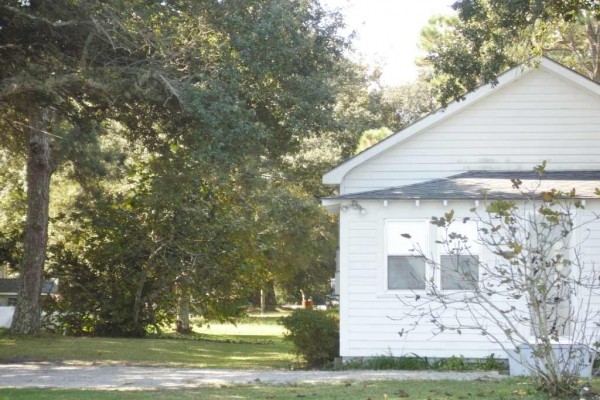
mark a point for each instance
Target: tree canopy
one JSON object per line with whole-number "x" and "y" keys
{"x": 489, "y": 36}
{"x": 205, "y": 92}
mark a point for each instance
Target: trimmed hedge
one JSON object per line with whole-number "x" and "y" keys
{"x": 315, "y": 335}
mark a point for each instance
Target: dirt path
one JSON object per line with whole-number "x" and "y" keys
{"x": 129, "y": 377}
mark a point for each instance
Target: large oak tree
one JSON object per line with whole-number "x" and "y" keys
{"x": 228, "y": 80}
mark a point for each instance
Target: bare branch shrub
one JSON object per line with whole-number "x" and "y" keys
{"x": 522, "y": 281}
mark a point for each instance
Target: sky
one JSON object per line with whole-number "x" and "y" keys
{"x": 388, "y": 31}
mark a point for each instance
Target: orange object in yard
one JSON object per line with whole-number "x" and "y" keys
{"x": 307, "y": 304}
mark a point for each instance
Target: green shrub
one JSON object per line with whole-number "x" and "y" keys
{"x": 452, "y": 364}
{"x": 314, "y": 334}
{"x": 408, "y": 363}
{"x": 415, "y": 362}
{"x": 491, "y": 363}
{"x": 390, "y": 362}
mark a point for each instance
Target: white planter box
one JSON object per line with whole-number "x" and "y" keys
{"x": 576, "y": 359}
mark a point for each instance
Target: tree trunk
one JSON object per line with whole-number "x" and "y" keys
{"x": 271, "y": 300}
{"x": 27, "y": 317}
{"x": 183, "y": 310}
{"x": 138, "y": 304}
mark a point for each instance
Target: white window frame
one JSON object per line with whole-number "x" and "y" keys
{"x": 425, "y": 248}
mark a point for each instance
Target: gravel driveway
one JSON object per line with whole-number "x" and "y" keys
{"x": 129, "y": 377}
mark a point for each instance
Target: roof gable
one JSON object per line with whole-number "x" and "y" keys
{"x": 336, "y": 175}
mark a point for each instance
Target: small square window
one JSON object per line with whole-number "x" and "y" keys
{"x": 406, "y": 273}
{"x": 459, "y": 272}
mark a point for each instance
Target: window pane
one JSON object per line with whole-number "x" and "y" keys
{"x": 459, "y": 272}
{"x": 460, "y": 238}
{"x": 406, "y": 273}
{"x": 397, "y": 244}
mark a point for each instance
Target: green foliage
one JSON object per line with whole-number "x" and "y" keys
{"x": 12, "y": 197}
{"x": 452, "y": 364}
{"x": 416, "y": 363}
{"x": 390, "y": 362}
{"x": 314, "y": 334}
{"x": 176, "y": 121}
{"x": 490, "y": 363}
{"x": 358, "y": 108}
{"x": 129, "y": 250}
{"x": 404, "y": 105}
{"x": 371, "y": 137}
{"x": 490, "y": 36}
{"x": 121, "y": 254}
{"x": 297, "y": 241}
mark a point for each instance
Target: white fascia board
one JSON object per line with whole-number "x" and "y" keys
{"x": 331, "y": 205}
{"x": 335, "y": 176}
{"x": 570, "y": 75}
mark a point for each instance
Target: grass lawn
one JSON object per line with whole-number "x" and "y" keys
{"x": 509, "y": 389}
{"x": 255, "y": 343}
{"x": 256, "y": 326}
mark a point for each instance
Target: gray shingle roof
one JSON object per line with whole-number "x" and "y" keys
{"x": 9, "y": 285}
{"x": 12, "y": 286}
{"x": 493, "y": 185}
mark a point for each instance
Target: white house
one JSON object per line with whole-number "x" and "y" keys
{"x": 453, "y": 159}
{"x": 9, "y": 288}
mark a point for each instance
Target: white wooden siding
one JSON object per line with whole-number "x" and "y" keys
{"x": 372, "y": 317}
{"x": 589, "y": 236}
{"x": 538, "y": 117}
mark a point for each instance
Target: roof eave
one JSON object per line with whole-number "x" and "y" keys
{"x": 331, "y": 204}
{"x": 564, "y": 72}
